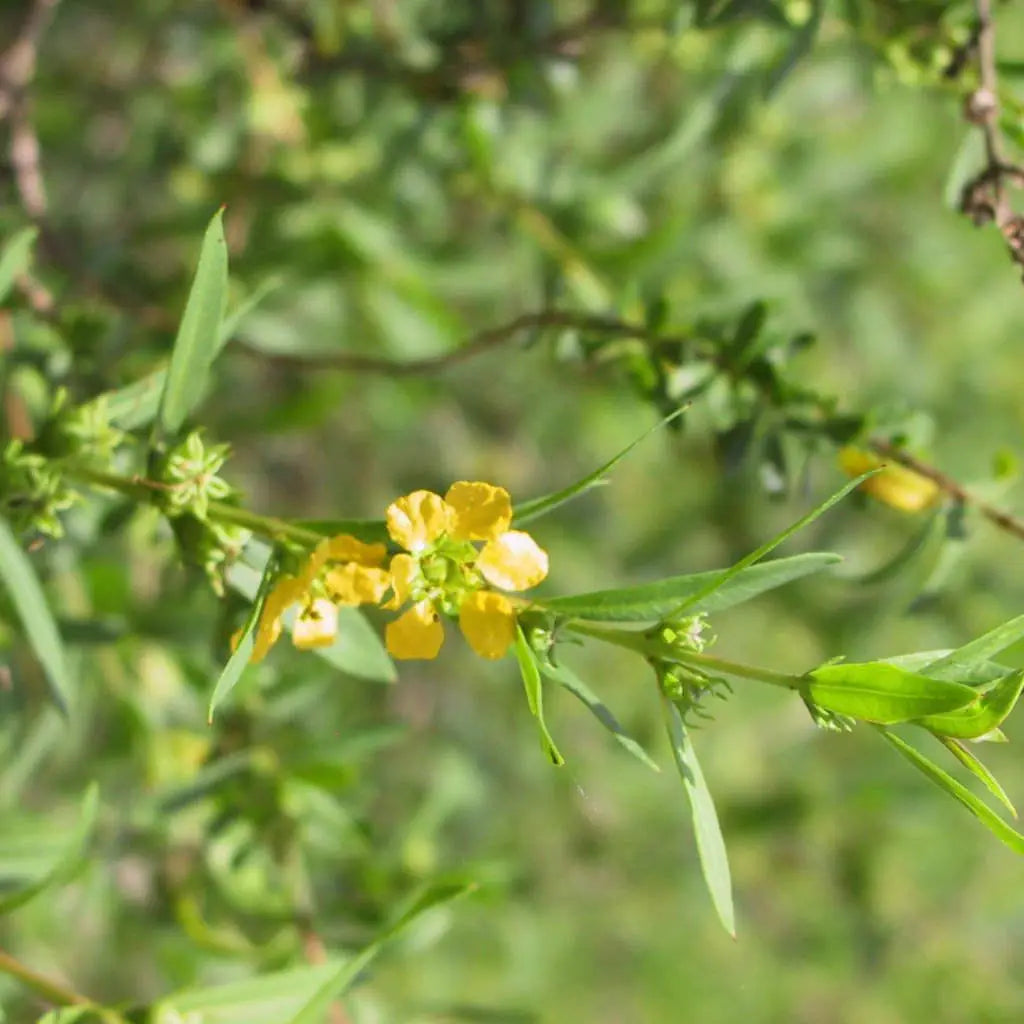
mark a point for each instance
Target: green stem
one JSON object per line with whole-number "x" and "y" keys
{"x": 144, "y": 492}
{"x": 50, "y": 990}
{"x": 653, "y": 647}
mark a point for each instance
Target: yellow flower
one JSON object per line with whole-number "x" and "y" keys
{"x": 340, "y": 570}
{"x": 488, "y": 622}
{"x": 444, "y": 571}
{"x": 316, "y": 625}
{"x": 416, "y": 634}
{"x": 895, "y": 486}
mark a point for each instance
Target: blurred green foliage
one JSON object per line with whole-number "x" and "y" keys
{"x": 398, "y": 177}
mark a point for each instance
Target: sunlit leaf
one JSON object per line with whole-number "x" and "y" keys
{"x": 649, "y": 602}
{"x": 979, "y": 650}
{"x": 975, "y": 766}
{"x": 567, "y": 678}
{"x": 536, "y": 507}
{"x": 981, "y": 718}
{"x": 1013, "y": 839}
{"x": 880, "y": 692}
{"x": 530, "y": 670}
{"x": 198, "y": 335}
{"x": 714, "y": 861}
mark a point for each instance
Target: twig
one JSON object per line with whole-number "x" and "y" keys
{"x": 17, "y": 69}
{"x": 488, "y": 339}
{"x": 984, "y": 197}
{"x": 55, "y": 992}
{"x": 1004, "y": 520}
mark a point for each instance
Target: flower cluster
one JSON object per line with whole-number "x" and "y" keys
{"x": 459, "y": 559}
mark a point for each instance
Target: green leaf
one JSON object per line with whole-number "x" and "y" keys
{"x": 979, "y": 650}
{"x": 15, "y": 258}
{"x": 1014, "y": 840}
{"x": 649, "y": 602}
{"x": 979, "y": 674}
{"x": 979, "y": 719}
{"x": 263, "y": 1000}
{"x": 536, "y": 507}
{"x": 198, "y": 335}
{"x": 239, "y": 659}
{"x": 313, "y": 1011}
{"x": 756, "y": 556}
{"x": 70, "y": 860}
{"x": 920, "y": 552}
{"x": 528, "y": 667}
{"x": 714, "y": 861}
{"x": 567, "y": 678}
{"x": 136, "y": 404}
{"x": 974, "y": 765}
{"x": 26, "y": 595}
{"x": 879, "y": 692}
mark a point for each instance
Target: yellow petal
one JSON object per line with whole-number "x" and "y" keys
{"x": 419, "y": 519}
{"x": 895, "y": 486}
{"x": 344, "y": 548}
{"x": 286, "y": 591}
{"x": 316, "y": 625}
{"x": 513, "y": 561}
{"x": 416, "y": 634}
{"x": 482, "y": 511}
{"x": 353, "y": 584}
{"x": 405, "y": 571}
{"x": 488, "y": 623}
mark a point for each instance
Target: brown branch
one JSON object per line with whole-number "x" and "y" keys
{"x": 1004, "y": 520}
{"x": 479, "y": 343}
{"x": 54, "y": 992}
{"x": 984, "y": 198}
{"x": 17, "y": 70}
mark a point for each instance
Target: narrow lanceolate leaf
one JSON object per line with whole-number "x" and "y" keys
{"x": 69, "y": 861}
{"x": 714, "y": 861}
{"x": 235, "y": 666}
{"x": 26, "y": 595}
{"x": 649, "y": 602}
{"x": 981, "y": 718}
{"x": 1013, "y": 839}
{"x": 979, "y": 770}
{"x": 536, "y": 507}
{"x": 982, "y": 649}
{"x": 879, "y": 692}
{"x": 136, "y": 404}
{"x": 530, "y": 671}
{"x": 314, "y": 1011}
{"x": 572, "y": 682}
{"x": 14, "y": 259}
{"x": 691, "y": 603}
{"x": 199, "y": 332}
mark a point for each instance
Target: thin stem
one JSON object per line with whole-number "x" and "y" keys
{"x": 52, "y": 991}
{"x": 143, "y": 491}
{"x": 633, "y": 640}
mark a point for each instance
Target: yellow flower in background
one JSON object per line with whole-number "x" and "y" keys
{"x": 444, "y": 571}
{"x": 340, "y": 570}
{"x": 895, "y": 486}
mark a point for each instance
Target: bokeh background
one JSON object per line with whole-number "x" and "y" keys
{"x": 406, "y": 175}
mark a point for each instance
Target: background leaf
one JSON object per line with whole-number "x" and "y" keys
{"x": 15, "y": 258}
{"x": 29, "y": 602}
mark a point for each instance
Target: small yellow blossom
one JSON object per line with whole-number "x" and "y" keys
{"x": 443, "y": 570}
{"x": 488, "y": 622}
{"x": 340, "y": 570}
{"x": 316, "y": 625}
{"x": 896, "y": 486}
{"x": 416, "y": 634}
